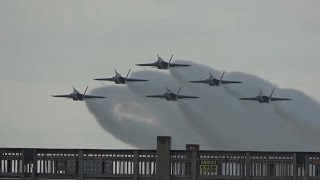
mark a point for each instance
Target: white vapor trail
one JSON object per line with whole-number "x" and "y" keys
{"x": 217, "y": 120}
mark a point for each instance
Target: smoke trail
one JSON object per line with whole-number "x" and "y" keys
{"x": 218, "y": 120}
{"x": 263, "y": 117}
{"x": 121, "y": 116}
{"x": 136, "y": 120}
{"x": 194, "y": 119}
{"x": 171, "y": 116}
{"x": 302, "y": 120}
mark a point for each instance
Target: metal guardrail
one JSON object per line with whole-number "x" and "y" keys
{"x": 141, "y": 164}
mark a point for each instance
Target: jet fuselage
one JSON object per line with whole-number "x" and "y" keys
{"x": 119, "y": 80}
{"x": 76, "y": 96}
{"x": 264, "y": 99}
{"x": 161, "y": 64}
{"x": 170, "y": 96}
{"x": 213, "y": 82}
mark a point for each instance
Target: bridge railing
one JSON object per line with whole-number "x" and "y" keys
{"x": 214, "y": 164}
{"x": 141, "y": 164}
{"x": 181, "y": 164}
{"x": 11, "y": 162}
{"x": 68, "y": 163}
{"x": 313, "y": 159}
{"x": 284, "y": 165}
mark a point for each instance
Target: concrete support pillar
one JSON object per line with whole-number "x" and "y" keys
{"x": 135, "y": 165}
{"x": 194, "y": 165}
{"x": 34, "y": 164}
{"x": 248, "y": 165}
{"x": 295, "y": 168}
{"x": 80, "y": 164}
{"x": 163, "y": 158}
{"x": 23, "y": 162}
{"x": 1, "y": 159}
{"x": 306, "y": 167}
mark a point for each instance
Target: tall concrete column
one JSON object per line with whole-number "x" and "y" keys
{"x": 34, "y": 164}
{"x": 163, "y": 158}
{"x": 80, "y": 164}
{"x": 295, "y": 168}
{"x": 306, "y": 167}
{"x": 248, "y": 165}
{"x": 23, "y": 162}
{"x": 194, "y": 165}
{"x": 135, "y": 165}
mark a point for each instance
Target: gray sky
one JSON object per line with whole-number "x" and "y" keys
{"x": 48, "y": 46}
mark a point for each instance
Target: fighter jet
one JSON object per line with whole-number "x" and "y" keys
{"x": 76, "y": 96}
{"x": 118, "y": 79}
{"x": 265, "y": 99}
{"x": 214, "y": 82}
{"x": 170, "y": 96}
{"x": 161, "y": 64}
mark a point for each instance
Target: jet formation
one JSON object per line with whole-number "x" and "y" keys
{"x": 168, "y": 95}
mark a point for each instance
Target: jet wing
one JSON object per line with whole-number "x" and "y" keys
{"x": 92, "y": 97}
{"x": 229, "y": 82}
{"x": 178, "y": 65}
{"x": 252, "y": 98}
{"x": 157, "y": 96}
{"x": 186, "y": 97}
{"x": 200, "y": 81}
{"x": 279, "y": 99}
{"x": 105, "y": 79}
{"x": 131, "y": 80}
{"x": 63, "y": 96}
{"x": 147, "y": 64}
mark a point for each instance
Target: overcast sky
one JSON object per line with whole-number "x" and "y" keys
{"x": 48, "y": 46}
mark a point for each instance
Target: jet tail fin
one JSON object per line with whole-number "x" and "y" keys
{"x": 210, "y": 75}
{"x": 74, "y": 89}
{"x": 271, "y": 92}
{"x": 260, "y": 93}
{"x": 115, "y": 71}
{"x": 179, "y": 90}
{"x": 85, "y": 91}
{"x": 222, "y": 76}
{"x": 170, "y": 58}
{"x": 128, "y": 73}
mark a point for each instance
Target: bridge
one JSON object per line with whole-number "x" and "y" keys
{"x": 160, "y": 164}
